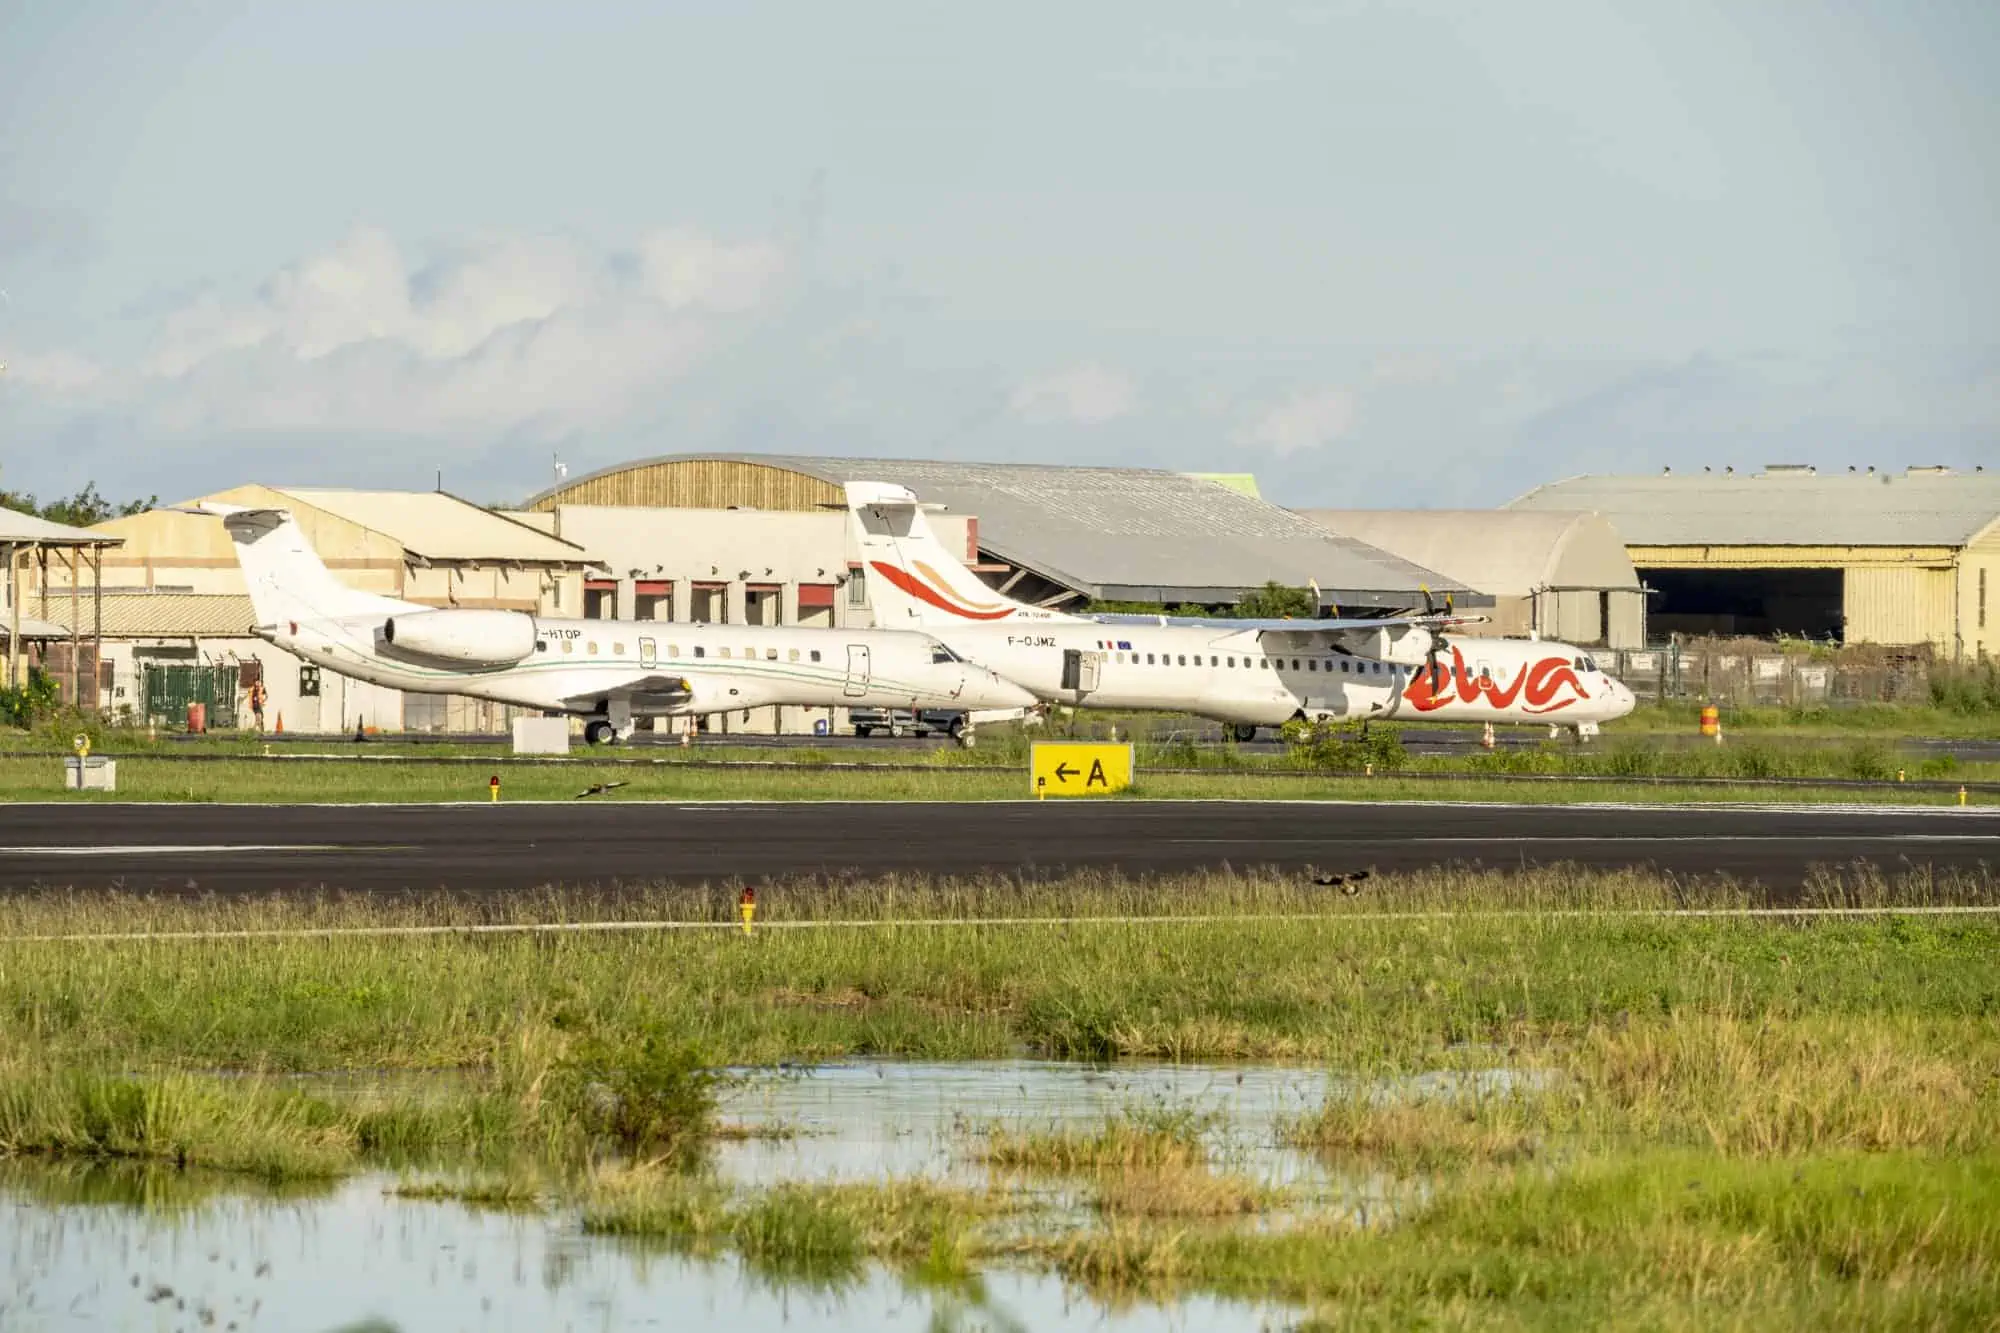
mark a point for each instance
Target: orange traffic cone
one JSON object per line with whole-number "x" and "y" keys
{"x": 281, "y": 724}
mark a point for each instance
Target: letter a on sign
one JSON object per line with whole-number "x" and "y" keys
{"x": 1079, "y": 768}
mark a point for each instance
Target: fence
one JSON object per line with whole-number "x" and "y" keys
{"x": 170, "y": 688}
{"x": 1755, "y": 671}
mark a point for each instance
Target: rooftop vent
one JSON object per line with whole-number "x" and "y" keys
{"x": 1934, "y": 470}
{"x": 1789, "y": 469}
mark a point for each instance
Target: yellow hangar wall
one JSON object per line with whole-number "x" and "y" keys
{"x": 1891, "y": 594}
{"x": 698, "y": 483}
{"x": 1979, "y": 593}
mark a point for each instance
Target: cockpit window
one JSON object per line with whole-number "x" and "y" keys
{"x": 940, "y": 653}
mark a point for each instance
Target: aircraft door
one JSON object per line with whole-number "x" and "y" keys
{"x": 1079, "y": 671}
{"x": 857, "y": 669}
{"x": 649, "y": 653}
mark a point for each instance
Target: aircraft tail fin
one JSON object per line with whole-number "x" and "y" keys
{"x": 286, "y": 579}
{"x": 914, "y": 580}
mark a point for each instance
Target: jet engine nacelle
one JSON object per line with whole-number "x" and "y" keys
{"x": 466, "y": 638}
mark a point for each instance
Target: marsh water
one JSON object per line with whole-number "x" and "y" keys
{"x": 96, "y": 1249}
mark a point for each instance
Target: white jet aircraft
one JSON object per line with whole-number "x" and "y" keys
{"x": 610, "y": 671}
{"x": 1247, "y": 673}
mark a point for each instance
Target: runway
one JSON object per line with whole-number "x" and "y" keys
{"x": 481, "y": 848}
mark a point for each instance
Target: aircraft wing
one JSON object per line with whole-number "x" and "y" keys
{"x": 667, "y": 687}
{"x": 1333, "y": 626}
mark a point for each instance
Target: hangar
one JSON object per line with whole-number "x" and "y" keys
{"x": 1858, "y": 556}
{"x": 1048, "y": 534}
{"x": 1554, "y": 573}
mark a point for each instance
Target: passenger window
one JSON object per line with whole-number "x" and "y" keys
{"x": 1312, "y": 664}
{"x": 770, "y": 654}
{"x": 541, "y": 645}
{"x": 1149, "y": 659}
{"x": 1343, "y": 666}
{"x": 1183, "y": 661}
{"x": 792, "y": 656}
{"x": 700, "y": 651}
{"x": 618, "y": 649}
{"x": 568, "y": 646}
{"x": 673, "y": 651}
{"x": 815, "y": 654}
{"x": 1214, "y": 660}
{"x": 593, "y": 647}
{"x": 749, "y": 654}
{"x": 1232, "y": 661}
{"x": 722, "y": 652}
{"x": 1295, "y": 664}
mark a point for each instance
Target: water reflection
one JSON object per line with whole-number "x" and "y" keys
{"x": 97, "y": 1247}
{"x": 360, "y": 1258}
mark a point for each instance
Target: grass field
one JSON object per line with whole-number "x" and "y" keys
{"x": 809, "y": 776}
{"x": 1731, "y": 1121}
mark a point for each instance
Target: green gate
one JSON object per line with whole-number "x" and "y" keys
{"x": 171, "y": 688}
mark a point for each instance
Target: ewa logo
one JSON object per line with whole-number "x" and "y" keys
{"x": 1547, "y": 686}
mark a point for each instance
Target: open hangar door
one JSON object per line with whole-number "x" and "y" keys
{"x": 1761, "y": 603}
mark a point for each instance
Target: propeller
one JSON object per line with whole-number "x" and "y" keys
{"x": 1437, "y": 640}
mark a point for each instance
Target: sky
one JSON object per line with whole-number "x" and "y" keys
{"x": 1378, "y": 255}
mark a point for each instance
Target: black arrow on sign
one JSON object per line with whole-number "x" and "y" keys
{"x": 1064, "y": 772}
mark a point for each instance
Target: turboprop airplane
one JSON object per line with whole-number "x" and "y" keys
{"x": 1247, "y": 673}
{"x": 609, "y": 671}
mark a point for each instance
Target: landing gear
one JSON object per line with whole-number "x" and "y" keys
{"x": 961, "y": 732}
{"x": 598, "y": 731}
{"x": 1243, "y": 732}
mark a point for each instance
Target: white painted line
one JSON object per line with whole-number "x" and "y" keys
{"x": 975, "y": 922}
{"x": 157, "y": 849}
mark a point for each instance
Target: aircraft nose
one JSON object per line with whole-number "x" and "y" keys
{"x": 996, "y": 691}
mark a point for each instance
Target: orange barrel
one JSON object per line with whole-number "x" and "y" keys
{"x": 197, "y": 719}
{"x": 1711, "y": 720}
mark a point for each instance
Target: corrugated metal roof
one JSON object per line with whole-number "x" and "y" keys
{"x": 1784, "y": 508}
{"x": 25, "y": 528}
{"x": 1509, "y": 553}
{"x": 1140, "y": 534}
{"x": 30, "y": 628}
{"x": 439, "y": 526}
{"x": 158, "y": 615}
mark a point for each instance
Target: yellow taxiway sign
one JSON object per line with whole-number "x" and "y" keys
{"x": 1079, "y": 768}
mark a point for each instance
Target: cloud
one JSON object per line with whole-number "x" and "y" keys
{"x": 1304, "y": 421}
{"x": 497, "y": 333}
{"x": 1088, "y": 394}
{"x": 56, "y": 373}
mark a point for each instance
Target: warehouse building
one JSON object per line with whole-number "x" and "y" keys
{"x": 70, "y": 652}
{"x": 1860, "y": 556}
{"x": 1553, "y": 573}
{"x": 177, "y": 620}
{"x": 1056, "y": 536}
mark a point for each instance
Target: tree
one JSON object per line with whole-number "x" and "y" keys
{"x": 81, "y": 510}
{"x": 1274, "y": 601}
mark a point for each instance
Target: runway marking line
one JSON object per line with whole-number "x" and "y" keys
{"x": 878, "y": 923}
{"x": 694, "y": 804}
{"x": 149, "y": 850}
